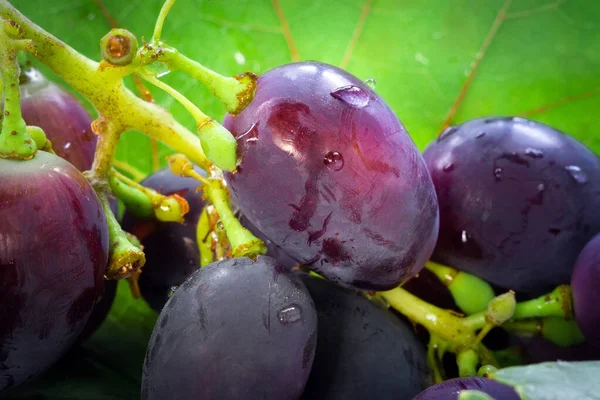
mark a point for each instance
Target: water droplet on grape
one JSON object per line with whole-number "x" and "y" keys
{"x": 448, "y": 167}
{"x": 498, "y": 174}
{"x": 578, "y": 175}
{"x": 464, "y": 237}
{"x": 541, "y": 187}
{"x": 519, "y": 119}
{"x": 480, "y": 135}
{"x": 334, "y": 160}
{"x": 173, "y": 290}
{"x": 534, "y": 153}
{"x": 370, "y": 82}
{"x": 290, "y": 314}
{"x": 351, "y": 95}
{"x": 446, "y": 133}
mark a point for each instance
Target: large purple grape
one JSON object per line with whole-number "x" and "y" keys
{"x": 518, "y": 201}
{"x": 235, "y": 329}
{"x": 53, "y": 255}
{"x": 363, "y": 351}
{"x": 100, "y": 311}
{"x": 449, "y": 389}
{"x": 171, "y": 248}
{"x": 585, "y": 283}
{"x": 329, "y": 174}
{"x": 61, "y": 116}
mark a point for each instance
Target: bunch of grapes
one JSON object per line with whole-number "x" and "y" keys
{"x": 307, "y": 251}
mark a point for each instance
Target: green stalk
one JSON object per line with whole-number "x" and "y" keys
{"x": 15, "y": 141}
{"x": 558, "y": 303}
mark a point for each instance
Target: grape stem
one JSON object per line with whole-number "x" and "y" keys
{"x": 160, "y": 21}
{"x": 15, "y": 142}
{"x": 103, "y": 86}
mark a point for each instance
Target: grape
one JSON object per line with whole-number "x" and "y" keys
{"x": 449, "y": 389}
{"x": 61, "y": 116}
{"x": 171, "y": 248}
{"x": 518, "y": 201}
{"x": 235, "y": 329}
{"x": 329, "y": 174}
{"x": 585, "y": 283}
{"x": 537, "y": 349}
{"x": 363, "y": 351}
{"x": 100, "y": 311}
{"x": 53, "y": 255}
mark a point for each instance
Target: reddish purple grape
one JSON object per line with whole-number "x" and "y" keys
{"x": 53, "y": 255}
{"x": 518, "y": 201}
{"x": 235, "y": 329}
{"x": 363, "y": 351}
{"x": 585, "y": 283}
{"x": 329, "y": 174}
{"x": 61, "y": 116}
{"x": 171, "y": 248}
{"x": 100, "y": 311}
{"x": 450, "y": 389}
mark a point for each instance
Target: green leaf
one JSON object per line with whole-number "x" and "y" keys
{"x": 554, "y": 380}
{"x": 434, "y": 61}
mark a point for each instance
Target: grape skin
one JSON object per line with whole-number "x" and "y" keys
{"x": 235, "y": 329}
{"x": 333, "y": 178}
{"x": 171, "y": 248}
{"x": 449, "y": 389}
{"x": 518, "y": 201}
{"x": 585, "y": 283}
{"x": 53, "y": 255}
{"x": 363, "y": 351}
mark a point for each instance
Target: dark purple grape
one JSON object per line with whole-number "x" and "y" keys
{"x": 449, "y": 389}
{"x": 363, "y": 351}
{"x": 585, "y": 283}
{"x": 235, "y": 329}
{"x": 100, "y": 311}
{"x": 329, "y": 174}
{"x": 518, "y": 201}
{"x": 171, "y": 248}
{"x": 537, "y": 350}
{"x": 61, "y": 116}
{"x": 53, "y": 255}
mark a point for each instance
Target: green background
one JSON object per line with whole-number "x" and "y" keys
{"x": 433, "y": 60}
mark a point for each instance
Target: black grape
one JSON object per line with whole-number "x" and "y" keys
{"x": 363, "y": 351}
{"x": 171, "y": 248}
{"x": 329, "y": 174}
{"x": 53, "y": 256}
{"x": 449, "y": 389}
{"x": 235, "y": 329}
{"x": 585, "y": 283}
{"x": 518, "y": 201}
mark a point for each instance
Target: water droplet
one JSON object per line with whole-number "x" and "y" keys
{"x": 239, "y": 58}
{"x": 446, "y": 133}
{"x": 498, "y": 174}
{"x": 534, "y": 153}
{"x": 541, "y": 187}
{"x": 464, "y": 237}
{"x": 290, "y": 314}
{"x": 91, "y": 16}
{"x": 351, "y": 95}
{"x": 334, "y": 160}
{"x": 519, "y": 119}
{"x": 577, "y": 173}
{"x": 172, "y": 290}
{"x": 159, "y": 68}
{"x": 370, "y": 82}
{"x": 480, "y": 135}
{"x": 448, "y": 167}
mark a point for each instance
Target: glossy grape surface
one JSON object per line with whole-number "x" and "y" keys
{"x": 449, "y": 389}
{"x": 171, "y": 248}
{"x": 236, "y": 329}
{"x": 61, "y": 116}
{"x": 518, "y": 201}
{"x": 585, "y": 283}
{"x": 100, "y": 311}
{"x": 329, "y": 174}
{"x": 363, "y": 351}
{"x": 53, "y": 255}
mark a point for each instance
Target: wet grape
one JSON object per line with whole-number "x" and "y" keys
{"x": 363, "y": 351}
{"x": 235, "y": 329}
{"x": 449, "y": 389}
{"x": 585, "y": 283}
{"x": 518, "y": 201}
{"x": 329, "y": 174}
{"x": 53, "y": 255}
